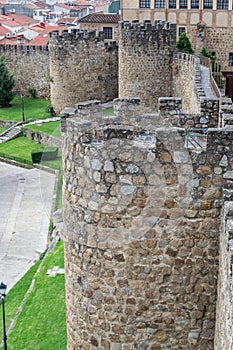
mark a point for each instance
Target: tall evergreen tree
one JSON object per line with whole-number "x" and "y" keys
{"x": 183, "y": 43}
{"x": 6, "y": 84}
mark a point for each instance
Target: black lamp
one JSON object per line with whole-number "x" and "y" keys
{"x": 2, "y": 296}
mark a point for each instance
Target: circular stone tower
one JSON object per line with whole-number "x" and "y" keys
{"x": 145, "y": 60}
{"x": 140, "y": 260}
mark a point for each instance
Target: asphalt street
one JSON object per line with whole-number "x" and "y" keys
{"x": 26, "y": 198}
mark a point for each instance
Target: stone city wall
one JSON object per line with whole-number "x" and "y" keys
{"x": 142, "y": 224}
{"x": 82, "y": 67}
{"x": 145, "y": 61}
{"x": 186, "y": 82}
{"x": 30, "y": 67}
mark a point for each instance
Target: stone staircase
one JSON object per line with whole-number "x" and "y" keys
{"x": 11, "y": 133}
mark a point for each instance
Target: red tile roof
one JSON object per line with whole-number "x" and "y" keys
{"x": 14, "y": 20}
{"x": 4, "y": 30}
{"x": 43, "y": 38}
{"x": 100, "y": 18}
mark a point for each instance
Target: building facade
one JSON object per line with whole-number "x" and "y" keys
{"x": 102, "y": 22}
{"x": 208, "y": 23}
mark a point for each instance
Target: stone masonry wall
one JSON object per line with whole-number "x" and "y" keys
{"x": 142, "y": 224}
{"x": 170, "y": 111}
{"x": 145, "y": 61}
{"x": 82, "y": 67}
{"x": 30, "y": 67}
{"x": 224, "y": 311}
{"x": 218, "y": 40}
{"x": 186, "y": 82}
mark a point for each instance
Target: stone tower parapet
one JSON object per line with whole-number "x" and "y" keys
{"x": 145, "y": 60}
{"x": 142, "y": 223}
{"x": 82, "y": 66}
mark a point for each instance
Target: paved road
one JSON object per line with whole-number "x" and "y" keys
{"x": 25, "y": 205}
{"x": 205, "y": 82}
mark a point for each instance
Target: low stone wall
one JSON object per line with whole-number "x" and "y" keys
{"x": 40, "y": 137}
{"x": 6, "y": 124}
{"x": 170, "y": 110}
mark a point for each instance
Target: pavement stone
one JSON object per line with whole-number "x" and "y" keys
{"x": 26, "y": 198}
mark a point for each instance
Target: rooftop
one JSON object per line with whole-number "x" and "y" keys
{"x": 100, "y": 18}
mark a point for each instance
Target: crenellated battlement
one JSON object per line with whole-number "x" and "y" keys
{"x": 79, "y": 36}
{"x": 160, "y": 33}
{"x": 29, "y": 49}
{"x": 147, "y": 26}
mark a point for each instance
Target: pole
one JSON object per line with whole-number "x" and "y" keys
{"x": 22, "y": 97}
{"x": 4, "y": 323}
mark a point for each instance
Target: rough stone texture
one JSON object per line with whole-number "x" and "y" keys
{"x": 186, "y": 82}
{"x": 219, "y": 40}
{"x": 145, "y": 61}
{"x": 224, "y": 311}
{"x": 40, "y": 137}
{"x": 30, "y": 67}
{"x": 82, "y": 67}
{"x": 142, "y": 223}
{"x": 170, "y": 110}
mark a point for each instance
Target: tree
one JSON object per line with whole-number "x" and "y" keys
{"x": 183, "y": 44}
{"x": 6, "y": 84}
{"x": 206, "y": 53}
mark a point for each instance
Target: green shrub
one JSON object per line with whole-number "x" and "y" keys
{"x": 183, "y": 44}
{"x": 206, "y": 53}
{"x": 48, "y": 153}
{"x": 32, "y": 91}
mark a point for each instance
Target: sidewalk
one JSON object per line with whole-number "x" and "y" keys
{"x": 25, "y": 204}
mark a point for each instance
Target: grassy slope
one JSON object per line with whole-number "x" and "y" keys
{"x": 34, "y": 108}
{"x": 20, "y": 147}
{"x": 50, "y": 128}
{"x": 42, "y": 323}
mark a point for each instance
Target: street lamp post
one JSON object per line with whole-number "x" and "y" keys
{"x": 2, "y": 296}
{"x": 22, "y": 98}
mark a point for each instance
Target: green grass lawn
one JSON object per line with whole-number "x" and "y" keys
{"x": 34, "y": 108}
{"x": 50, "y": 128}
{"x": 20, "y": 147}
{"x": 2, "y": 129}
{"x": 42, "y": 322}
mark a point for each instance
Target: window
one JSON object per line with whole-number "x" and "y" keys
{"x": 107, "y": 32}
{"x": 195, "y": 4}
{"x": 181, "y": 30}
{"x": 183, "y": 4}
{"x": 159, "y": 4}
{"x": 230, "y": 59}
{"x": 144, "y": 4}
{"x": 207, "y": 4}
{"x": 222, "y": 4}
{"x": 172, "y": 4}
